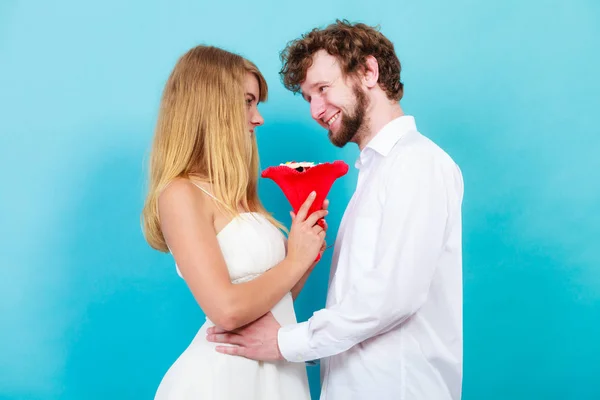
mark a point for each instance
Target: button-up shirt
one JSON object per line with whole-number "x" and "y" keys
{"x": 392, "y": 326}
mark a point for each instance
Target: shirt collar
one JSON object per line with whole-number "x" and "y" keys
{"x": 383, "y": 142}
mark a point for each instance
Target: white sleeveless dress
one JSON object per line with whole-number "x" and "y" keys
{"x": 250, "y": 245}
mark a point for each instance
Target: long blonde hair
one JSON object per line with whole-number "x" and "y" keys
{"x": 202, "y": 132}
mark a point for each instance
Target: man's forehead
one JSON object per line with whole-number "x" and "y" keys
{"x": 324, "y": 60}
{"x": 324, "y": 67}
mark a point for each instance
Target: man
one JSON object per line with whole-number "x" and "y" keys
{"x": 392, "y": 327}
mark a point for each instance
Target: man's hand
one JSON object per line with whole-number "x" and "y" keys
{"x": 256, "y": 341}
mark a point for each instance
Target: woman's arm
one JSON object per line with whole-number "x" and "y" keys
{"x": 186, "y": 222}
{"x": 298, "y": 286}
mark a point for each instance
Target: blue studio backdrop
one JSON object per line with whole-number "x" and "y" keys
{"x": 508, "y": 88}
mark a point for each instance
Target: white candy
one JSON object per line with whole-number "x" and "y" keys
{"x": 295, "y": 165}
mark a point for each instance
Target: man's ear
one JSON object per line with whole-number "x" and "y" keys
{"x": 371, "y": 72}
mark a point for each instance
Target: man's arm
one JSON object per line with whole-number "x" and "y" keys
{"x": 411, "y": 239}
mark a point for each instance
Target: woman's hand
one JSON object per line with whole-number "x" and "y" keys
{"x": 306, "y": 238}
{"x": 324, "y": 245}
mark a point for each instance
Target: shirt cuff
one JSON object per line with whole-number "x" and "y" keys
{"x": 293, "y": 343}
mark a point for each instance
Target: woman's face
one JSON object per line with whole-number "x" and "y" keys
{"x": 252, "y": 95}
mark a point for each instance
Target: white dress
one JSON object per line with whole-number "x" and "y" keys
{"x": 251, "y": 245}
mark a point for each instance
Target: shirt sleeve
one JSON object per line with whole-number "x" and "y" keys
{"x": 410, "y": 242}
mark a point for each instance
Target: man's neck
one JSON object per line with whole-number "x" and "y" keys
{"x": 379, "y": 114}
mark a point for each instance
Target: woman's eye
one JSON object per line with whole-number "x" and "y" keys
{"x": 322, "y": 88}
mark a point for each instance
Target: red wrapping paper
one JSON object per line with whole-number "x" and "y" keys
{"x": 296, "y": 185}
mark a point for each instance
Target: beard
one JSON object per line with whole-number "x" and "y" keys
{"x": 352, "y": 122}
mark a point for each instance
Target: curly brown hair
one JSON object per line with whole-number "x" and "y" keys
{"x": 351, "y": 44}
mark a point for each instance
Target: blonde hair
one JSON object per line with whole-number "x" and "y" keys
{"x": 202, "y": 132}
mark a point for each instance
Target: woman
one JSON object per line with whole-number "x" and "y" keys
{"x": 203, "y": 207}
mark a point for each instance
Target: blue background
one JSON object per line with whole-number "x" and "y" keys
{"x": 509, "y": 89}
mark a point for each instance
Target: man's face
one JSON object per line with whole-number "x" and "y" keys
{"x": 337, "y": 103}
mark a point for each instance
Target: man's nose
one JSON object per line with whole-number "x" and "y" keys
{"x": 317, "y": 108}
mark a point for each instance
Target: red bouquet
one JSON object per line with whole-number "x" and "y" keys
{"x": 298, "y": 180}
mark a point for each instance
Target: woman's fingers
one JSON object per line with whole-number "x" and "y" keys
{"x": 303, "y": 211}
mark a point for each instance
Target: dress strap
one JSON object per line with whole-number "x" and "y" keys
{"x": 209, "y": 194}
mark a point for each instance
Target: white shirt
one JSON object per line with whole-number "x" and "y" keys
{"x": 392, "y": 326}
